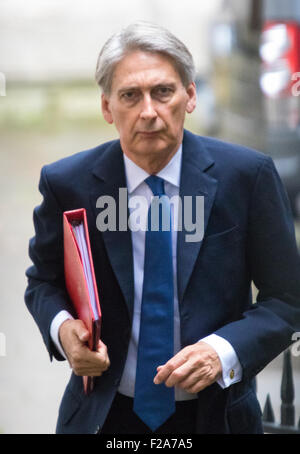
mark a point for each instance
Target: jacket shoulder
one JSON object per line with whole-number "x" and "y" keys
{"x": 223, "y": 150}
{"x": 229, "y": 158}
{"x": 75, "y": 165}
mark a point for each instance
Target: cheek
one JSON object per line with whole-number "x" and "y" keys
{"x": 123, "y": 122}
{"x": 174, "y": 115}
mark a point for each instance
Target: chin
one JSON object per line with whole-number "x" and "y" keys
{"x": 152, "y": 148}
{"x": 154, "y": 144}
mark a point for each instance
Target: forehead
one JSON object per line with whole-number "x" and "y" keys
{"x": 144, "y": 68}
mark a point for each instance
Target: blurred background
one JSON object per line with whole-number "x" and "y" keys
{"x": 246, "y": 53}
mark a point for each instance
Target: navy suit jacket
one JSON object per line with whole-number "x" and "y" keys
{"x": 249, "y": 236}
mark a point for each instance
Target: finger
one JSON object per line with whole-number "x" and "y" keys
{"x": 94, "y": 357}
{"x": 199, "y": 385}
{"x": 102, "y": 350}
{"x": 180, "y": 374}
{"x": 90, "y": 363}
{"x": 104, "y": 361}
{"x": 100, "y": 356}
{"x": 101, "y": 347}
{"x": 188, "y": 373}
{"x": 166, "y": 370}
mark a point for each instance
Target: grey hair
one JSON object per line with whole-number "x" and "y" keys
{"x": 147, "y": 37}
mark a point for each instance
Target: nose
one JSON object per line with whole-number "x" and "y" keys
{"x": 148, "y": 111}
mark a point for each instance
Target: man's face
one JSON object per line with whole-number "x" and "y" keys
{"x": 147, "y": 104}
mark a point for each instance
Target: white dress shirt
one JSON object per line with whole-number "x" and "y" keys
{"x": 136, "y": 186}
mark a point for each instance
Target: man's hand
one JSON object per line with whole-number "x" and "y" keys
{"x": 73, "y": 337}
{"x": 193, "y": 368}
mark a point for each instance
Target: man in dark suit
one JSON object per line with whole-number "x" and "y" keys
{"x": 182, "y": 340}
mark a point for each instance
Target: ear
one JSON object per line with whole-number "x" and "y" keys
{"x": 105, "y": 109}
{"x": 192, "y": 97}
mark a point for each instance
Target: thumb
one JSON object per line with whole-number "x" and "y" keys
{"x": 84, "y": 336}
{"x": 82, "y": 333}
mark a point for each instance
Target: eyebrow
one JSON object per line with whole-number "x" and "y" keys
{"x": 121, "y": 90}
{"x": 133, "y": 87}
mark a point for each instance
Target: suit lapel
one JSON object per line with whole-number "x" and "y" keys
{"x": 109, "y": 176}
{"x": 194, "y": 181}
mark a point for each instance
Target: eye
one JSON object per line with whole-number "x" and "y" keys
{"x": 129, "y": 96}
{"x": 163, "y": 92}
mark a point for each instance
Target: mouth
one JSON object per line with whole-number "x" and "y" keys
{"x": 148, "y": 133}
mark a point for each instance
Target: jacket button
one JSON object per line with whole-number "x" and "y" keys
{"x": 98, "y": 430}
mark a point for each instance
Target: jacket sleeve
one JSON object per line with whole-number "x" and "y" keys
{"x": 267, "y": 327}
{"x": 45, "y": 294}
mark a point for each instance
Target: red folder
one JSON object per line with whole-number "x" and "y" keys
{"x": 80, "y": 278}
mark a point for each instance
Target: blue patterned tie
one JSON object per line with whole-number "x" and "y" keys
{"x": 155, "y": 403}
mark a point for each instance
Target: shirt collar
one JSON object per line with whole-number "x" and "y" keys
{"x": 135, "y": 175}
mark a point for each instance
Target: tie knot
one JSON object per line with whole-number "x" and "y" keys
{"x": 156, "y": 184}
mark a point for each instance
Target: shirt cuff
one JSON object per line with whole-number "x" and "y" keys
{"x": 61, "y": 317}
{"x": 231, "y": 367}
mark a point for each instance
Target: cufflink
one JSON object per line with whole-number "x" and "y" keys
{"x": 231, "y": 374}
